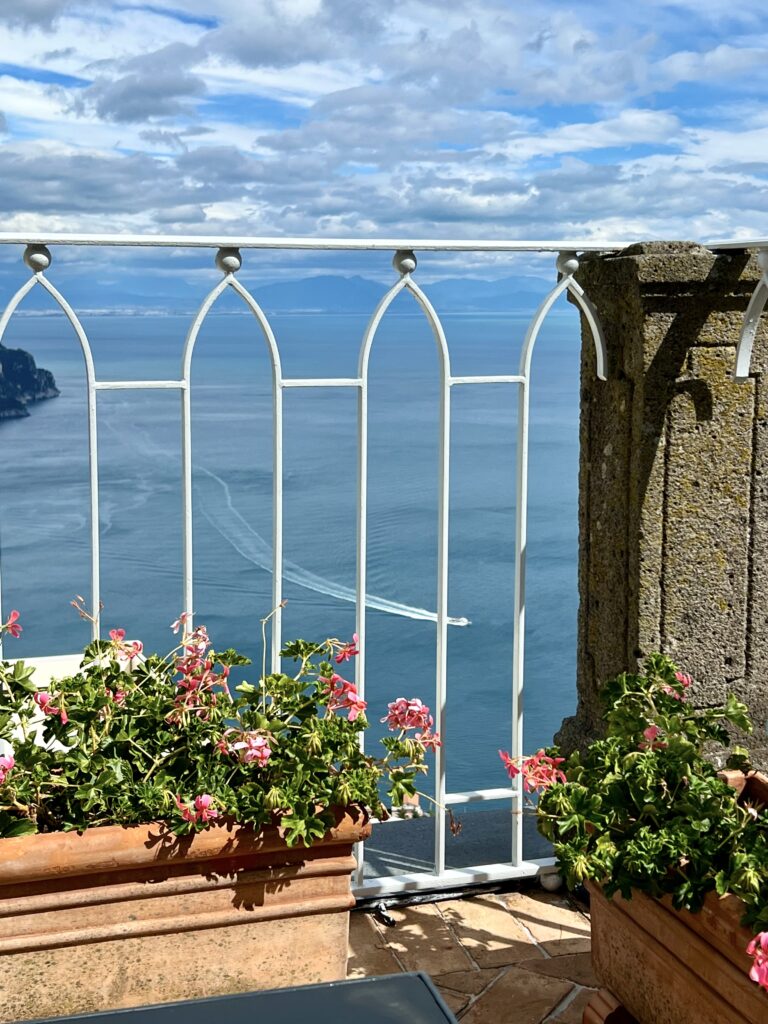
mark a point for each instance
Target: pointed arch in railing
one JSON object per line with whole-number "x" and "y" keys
{"x": 38, "y": 259}
{"x": 757, "y": 304}
{"x": 567, "y": 264}
{"x": 229, "y": 262}
{"x": 404, "y": 262}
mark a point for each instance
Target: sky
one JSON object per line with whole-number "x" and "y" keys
{"x": 425, "y": 118}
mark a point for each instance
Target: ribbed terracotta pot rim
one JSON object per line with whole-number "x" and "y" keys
{"x": 106, "y": 848}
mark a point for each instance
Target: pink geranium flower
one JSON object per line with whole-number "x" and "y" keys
{"x": 510, "y": 764}
{"x": 540, "y": 771}
{"x": 204, "y": 807}
{"x": 428, "y": 739}
{"x": 12, "y": 625}
{"x": 355, "y": 705}
{"x": 201, "y": 809}
{"x": 181, "y": 621}
{"x": 347, "y": 651}
{"x": 684, "y": 679}
{"x": 408, "y": 714}
{"x": 650, "y": 735}
{"x": 117, "y": 635}
{"x": 45, "y": 702}
{"x": 129, "y": 655}
{"x": 343, "y": 696}
{"x": 758, "y": 950}
{"x": 6, "y": 764}
{"x": 248, "y": 747}
{"x": 197, "y": 642}
{"x": 188, "y": 813}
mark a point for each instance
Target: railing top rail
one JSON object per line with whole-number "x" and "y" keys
{"x": 249, "y": 242}
{"x": 346, "y": 244}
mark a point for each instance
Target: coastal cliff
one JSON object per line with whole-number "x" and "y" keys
{"x": 21, "y": 382}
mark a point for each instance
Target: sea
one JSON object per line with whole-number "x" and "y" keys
{"x": 44, "y": 525}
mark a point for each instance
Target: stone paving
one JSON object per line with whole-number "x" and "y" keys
{"x": 514, "y": 958}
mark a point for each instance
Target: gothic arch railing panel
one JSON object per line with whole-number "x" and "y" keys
{"x": 38, "y": 259}
{"x": 229, "y": 262}
{"x": 405, "y": 264}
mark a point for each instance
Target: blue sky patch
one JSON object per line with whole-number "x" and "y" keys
{"x": 28, "y": 74}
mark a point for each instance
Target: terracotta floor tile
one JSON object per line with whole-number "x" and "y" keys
{"x": 488, "y": 931}
{"x": 553, "y": 923}
{"x": 518, "y": 997}
{"x": 576, "y": 967}
{"x": 369, "y": 954}
{"x": 424, "y": 942}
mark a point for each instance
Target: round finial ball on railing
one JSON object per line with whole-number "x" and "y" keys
{"x": 762, "y": 260}
{"x": 567, "y": 263}
{"x": 404, "y": 261}
{"x": 229, "y": 261}
{"x": 37, "y": 258}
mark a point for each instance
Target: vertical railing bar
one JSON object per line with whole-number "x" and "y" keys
{"x": 521, "y": 540}
{"x": 441, "y": 654}
{"x": 277, "y": 520}
{"x": 93, "y": 447}
{"x": 362, "y": 533}
{"x": 230, "y": 259}
{"x": 93, "y": 471}
{"x": 186, "y": 505}
{"x": 443, "y": 534}
{"x": 361, "y": 582}
{"x": 188, "y": 582}
{"x": 7, "y": 314}
{"x": 362, "y": 569}
{"x": 518, "y": 652}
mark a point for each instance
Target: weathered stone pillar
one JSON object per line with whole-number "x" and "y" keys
{"x": 673, "y": 550}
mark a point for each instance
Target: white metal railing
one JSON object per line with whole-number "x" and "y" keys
{"x": 228, "y": 259}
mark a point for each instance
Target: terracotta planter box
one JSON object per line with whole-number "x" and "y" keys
{"x": 666, "y": 966}
{"x": 120, "y": 917}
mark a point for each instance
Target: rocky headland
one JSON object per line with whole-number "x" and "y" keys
{"x": 22, "y": 382}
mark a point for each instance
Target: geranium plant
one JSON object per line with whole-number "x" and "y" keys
{"x": 132, "y": 738}
{"x": 644, "y": 808}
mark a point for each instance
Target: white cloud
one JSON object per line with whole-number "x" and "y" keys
{"x": 414, "y": 117}
{"x": 629, "y": 127}
{"x": 29, "y": 13}
{"x": 724, "y": 61}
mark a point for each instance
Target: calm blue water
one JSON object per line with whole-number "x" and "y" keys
{"x": 44, "y": 503}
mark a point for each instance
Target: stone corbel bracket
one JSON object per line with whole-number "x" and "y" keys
{"x": 756, "y": 306}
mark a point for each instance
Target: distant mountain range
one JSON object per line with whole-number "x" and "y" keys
{"x": 333, "y": 294}
{"x": 324, "y": 293}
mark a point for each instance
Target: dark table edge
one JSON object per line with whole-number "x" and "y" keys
{"x": 98, "y": 1015}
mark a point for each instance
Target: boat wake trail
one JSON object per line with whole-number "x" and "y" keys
{"x": 225, "y": 518}
{"x": 231, "y": 525}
